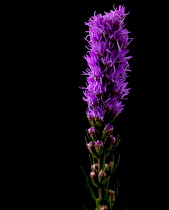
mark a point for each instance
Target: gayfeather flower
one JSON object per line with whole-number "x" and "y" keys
{"x": 107, "y": 60}
{"x": 105, "y": 92}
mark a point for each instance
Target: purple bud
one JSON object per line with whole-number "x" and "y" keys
{"x": 91, "y": 130}
{"x": 112, "y": 139}
{"x": 98, "y": 147}
{"x": 90, "y": 146}
{"x": 108, "y": 128}
{"x": 98, "y": 144}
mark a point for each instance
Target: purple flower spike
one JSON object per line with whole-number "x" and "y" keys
{"x": 107, "y": 60}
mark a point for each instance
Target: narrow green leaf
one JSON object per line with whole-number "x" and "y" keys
{"x": 115, "y": 165}
{"x": 113, "y": 158}
{"x": 110, "y": 203}
{"x": 88, "y": 182}
{"x": 91, "y": 159}
{"x": 84, "y": 207}
{"x": 90, "y": 190}
{"x": 86, "y": 175}
{"x": 107, "y": 152}
{"x": 107, "y": 188}
{"x": 117, "y": 142}
{"x": 88, "y": 179}
{"x": 94, "y": 156}
{"x": 83, "y": 171}
{"x": 117, "y": 189}
{"x": 86, "y": 140}
{"x": 104, "y": 160}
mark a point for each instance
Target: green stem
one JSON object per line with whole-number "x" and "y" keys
{"x": 100, "y": 188}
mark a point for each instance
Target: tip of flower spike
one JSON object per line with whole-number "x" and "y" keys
{"x": 119, "y": 10}
{"x": 108, "y": 65}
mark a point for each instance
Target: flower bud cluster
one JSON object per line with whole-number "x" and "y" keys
{"x": 96, "y": 146}
{"x": 100, "y": 177}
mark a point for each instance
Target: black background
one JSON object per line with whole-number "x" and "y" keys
{"x": 46, "y": 46}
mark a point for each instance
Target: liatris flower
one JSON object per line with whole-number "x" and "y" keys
{"x": 108, "y": 65}
{"x": 105, "y": 91}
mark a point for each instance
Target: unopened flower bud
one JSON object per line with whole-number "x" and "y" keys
{"x": 92, "y": 175}
{"x": 90, "y": 146}
{"x": 91, "y": 130}
{"x": 98, "y": 144}
{"x": 112, "y": 139}
{"x": 108, "y": 128}
{"x": 92, "y": 133}
{"x": 104, "y": 207}
{"x": 106, "y": 166}
{"x": 102, "y": 174}
{"x": 94, "y": 167}
{"x": 98, "y": 147}
{"x": 112, "y": 194}
{"x": 111, "y": 166}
